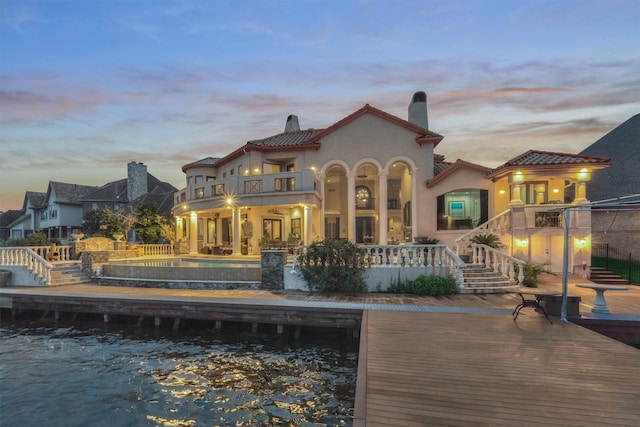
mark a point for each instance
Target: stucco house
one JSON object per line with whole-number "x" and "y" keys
{"x": 375, "y": 178}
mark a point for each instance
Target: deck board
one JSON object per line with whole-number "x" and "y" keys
{"x": 452, "y": 369}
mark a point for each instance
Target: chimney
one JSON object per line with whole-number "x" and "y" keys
{"x": 136, "y": 180}
{"x": 418, "y": 110}
{"x": 292, "y": 124}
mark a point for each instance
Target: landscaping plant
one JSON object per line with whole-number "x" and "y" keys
{"x": 433, "y": 285}
{"x": 333, "y": 266}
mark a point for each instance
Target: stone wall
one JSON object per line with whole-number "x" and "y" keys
{"x": 91, "y": 260}
{"x": 272, "y": 263}
{"x": 620, "y": 229}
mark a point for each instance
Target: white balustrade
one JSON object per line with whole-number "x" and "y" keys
{"x": 498, "y": 225}
{"x": 31, "y": 260}
{"x": 498, "y": 261}
{"x": 156, "y": 249}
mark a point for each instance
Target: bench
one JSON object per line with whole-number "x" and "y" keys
{"x": 600, "y": 304}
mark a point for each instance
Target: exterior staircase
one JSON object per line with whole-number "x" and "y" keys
{"x": 604, "y": 277}
{"x": 478, "y": 279}
{"x": 68, "y": 273}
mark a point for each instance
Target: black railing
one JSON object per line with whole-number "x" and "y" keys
{"x": 616, "y": 261}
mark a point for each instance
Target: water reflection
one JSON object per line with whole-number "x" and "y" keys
{"x": 130, "y": 377}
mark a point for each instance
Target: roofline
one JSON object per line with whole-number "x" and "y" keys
{"x": 452, "y": 168}
{"x": 499, "y": 173}
{"x": 426, "y": 136}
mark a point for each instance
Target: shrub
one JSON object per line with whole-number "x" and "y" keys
{"x": 427, "y": 240}
{"x": 16, "y": 241}
{"x": 531, "y": 272}
{"x": 400, "y": 286}
{"x": 491, "y": 240}
{"x": 37, "y": 239}
{"x": 433, "y": 285}
{"x": 333, "y": 266}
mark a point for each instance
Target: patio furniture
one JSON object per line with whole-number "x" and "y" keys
{"x": 600, "y": 304}
{"x": 537, "y": 302}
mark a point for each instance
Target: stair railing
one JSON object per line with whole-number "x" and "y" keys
{"x": 499, "y": 262}
{"x": 29, "y": 259}
{"x": 498, "y": 225}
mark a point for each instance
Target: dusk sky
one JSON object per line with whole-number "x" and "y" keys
{"x": 88, "y": 86}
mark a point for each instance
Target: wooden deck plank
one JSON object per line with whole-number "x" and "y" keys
{"x": 445, "y": 369}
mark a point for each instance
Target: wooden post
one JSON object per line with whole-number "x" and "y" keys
{"x": 157, "y": 321}
{"x": 176, "y": 323}
{"x": 106, "y": 318}
{"x": 280, "y": 329}
{"x": 218, "y": 325}
{"x": 254, "y": 327}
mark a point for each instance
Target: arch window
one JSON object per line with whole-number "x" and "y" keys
{"x": 363, "y": 197}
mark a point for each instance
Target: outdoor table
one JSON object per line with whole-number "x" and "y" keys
{"x": 600, "y": 304}
{"x": 537, "y": 302}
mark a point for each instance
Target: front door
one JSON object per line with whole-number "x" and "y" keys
{"x": 364, "y": 229}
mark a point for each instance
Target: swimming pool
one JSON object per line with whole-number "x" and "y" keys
{"x": 186, "y": 269}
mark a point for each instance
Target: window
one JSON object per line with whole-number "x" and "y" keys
{"x": 224, "y": 175}
{"x": 363, "y": 197}
{"x": 462, "y": 209}
{"x": 272, "y": 228}
{"x": 253, "y": 186}
{"x": 183, "y": 197}
{"x": 548, "y": 219}
{"x": 218, "y": 190}
{"x": 199, "y": 193}
{"x": 211, "y": 178}
{"x": 284, "y": 184}
{"x": 232, "y": 172}
{"x": 198, "y": 179}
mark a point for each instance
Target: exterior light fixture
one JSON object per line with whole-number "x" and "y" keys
{"x": 555, "y": 190}
{"x": 501, "y": 192}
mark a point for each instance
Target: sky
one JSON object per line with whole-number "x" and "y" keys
{"x": 88, "y": 86}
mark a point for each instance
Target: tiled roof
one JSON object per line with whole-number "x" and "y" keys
{"x": 162, "y": 201}
{"x": 116, "y": 191}
{"x": 35, "y": 198}
{"x": 535, "y": 158}
{"x": 622, "y": 178}
{"x": 287, "y": 139}
{"x": 69, "y": 193}
{"x": 9, "y": 216}
{"x": 442, "y": 169}
{"x": 439, "y": 164}
{"x": 207, "y": 161}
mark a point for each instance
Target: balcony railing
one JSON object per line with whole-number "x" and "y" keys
{"x": 301, "y": 181}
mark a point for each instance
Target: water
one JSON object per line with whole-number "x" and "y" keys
{"x": 65, "y": 375}
{"x": 191, "y": 263}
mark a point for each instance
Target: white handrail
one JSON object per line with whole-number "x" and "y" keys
{"x": 156, "y": 249}
{"x": 26, "y": 257}
{"x": 499, "y": 262}
{"x": 63, "y": 252}
{"x": 499, "y": 224}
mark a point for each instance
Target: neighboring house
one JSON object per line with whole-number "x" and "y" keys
{"x": 6, "y": 219}
{"x": 62, "y": 213}
{"x": 29, "y": 221}
{"x": 375, "y": 178}
{"x": 140, "y": 187}
{"x": 59, "y": 211}
{"x": 618, "y": 226}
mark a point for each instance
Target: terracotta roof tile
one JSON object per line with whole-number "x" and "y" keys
{"x": 287, "y": 139}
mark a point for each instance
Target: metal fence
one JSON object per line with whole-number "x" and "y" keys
{"x": 616, "y": 261}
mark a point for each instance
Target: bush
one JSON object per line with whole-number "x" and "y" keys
{"x": 427, "y": 240}
{"x": 38, "y": 239}
{"x": 531, "y": 272}
{"x": 16, "y": 241}
{"x": 333, "y": 266}
{"x": 433, "y": 285}
{"x": 400, "y": 286}
{"x": 491, "y": 240}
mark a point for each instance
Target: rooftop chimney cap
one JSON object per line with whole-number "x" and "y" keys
{"x": 418, "y": 110}
{"x": 292, "y": 123}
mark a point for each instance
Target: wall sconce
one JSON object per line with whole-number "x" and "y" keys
{"x": 518, "y": 177}
{"x": 501, "y": 192}
{"x": 580, "y": 243}
{"x": 555, "y": 191}
{"x": 584, "y": 174}
{"x": 523, "y": 243}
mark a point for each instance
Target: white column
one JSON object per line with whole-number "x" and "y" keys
{"x": 351, "y": 206}
{"x": 307, "y": 232}
{"x": 178, "y": 230}
{"x": 193, "y": 233}
{"x": 382, "y": 211}
{"x": 414, "y": 205}
{"x": 581, "y": 193}
{"x": 236, "y": 231}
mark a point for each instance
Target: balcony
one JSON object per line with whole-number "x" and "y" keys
{"x": 283, "y": 187}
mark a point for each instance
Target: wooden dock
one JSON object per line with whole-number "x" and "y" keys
{"x": 432, "y": 369}
{"x": 456, "y": 360}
